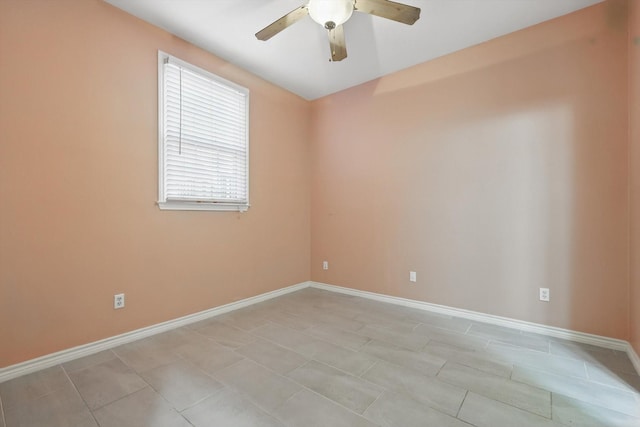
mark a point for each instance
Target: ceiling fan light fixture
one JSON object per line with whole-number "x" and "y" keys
{"x": 336, "y": 12}
{"x": 331, "y": 14}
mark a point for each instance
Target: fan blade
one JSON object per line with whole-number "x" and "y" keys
{"x": 388, "y": 9}
{"x": 289, "y": 19}
{"x": 337, "y": 44}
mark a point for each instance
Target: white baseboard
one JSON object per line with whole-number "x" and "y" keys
{"x": 551, "y": 331}
{"x": 64, "y": 356}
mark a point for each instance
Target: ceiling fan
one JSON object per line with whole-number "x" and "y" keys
{"x": 331, "y": 14}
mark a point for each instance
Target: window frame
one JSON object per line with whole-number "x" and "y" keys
{"x": 204, "y": 205}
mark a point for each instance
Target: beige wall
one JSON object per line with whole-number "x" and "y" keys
{"x": 634, "y": 141}
{"x": 490, "y": 172}
{"x": 78, "y": 182}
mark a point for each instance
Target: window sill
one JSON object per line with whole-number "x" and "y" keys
{"x": 201, "y": 206}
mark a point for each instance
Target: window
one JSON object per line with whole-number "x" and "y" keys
{"x": 203, "y": 139}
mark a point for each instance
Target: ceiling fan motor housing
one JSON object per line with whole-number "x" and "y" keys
{"x": 330, "y": 13}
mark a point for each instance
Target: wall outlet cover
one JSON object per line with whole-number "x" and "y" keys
{"x": 118, "y": 301}
{"x": 544, "y": 294}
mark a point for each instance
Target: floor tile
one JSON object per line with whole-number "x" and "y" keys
{"x": 273, "y": 356}
{"x": 105, "y": 382}
{"x": 228, "y": 336}
{"x": 339, "y": 337}
{"x": 331, "y": 301}
{"x": 352, "y": 362}
{"x": 481, "y": 411}
{"x": 479, "y": 360}
{"x": 61, "y": 408}
{"x": 207, "y": 355}
{"x": 144, "y": 408}
{"x": 628, "y": 382}
{"x": 449, "y": 323}
{"x": 340, "y": 304}
{"x": 365, "y": 305}
{"x": 425, "y": 363}
{"x": 88, "y": 361}
{"x": 315, "y": 357}
{"x": 347, "y": 390}
{"x": 587, "y": 391}
{"x": 509, "y": 336}
{"x": 288, "y": 338}
{"x": 573, "y": 412}
{"x": 409, "y": 340}
{"x": 452, "y": 338}
{"x": 612, "y": 360}
{"x": 264, "y": 387}
{"x": 575, "y": 350}
{"x": 246, "y": 319}
{"x": 144, "y": 355}
{"x": 31, "y": 386}
{"x": 430, "y": 391}
{"x": 492, "y": 331}
{"x": 289, "y": 320}
{"x": 320, "y": 317}
{"x": 548, "y": 362}
{"x": 181, "y": 383}
{"x": 394, "y": 410}
{"x": 513, "y": 393}
{"x": 388, "y": 323}
{"x": 172, "y": 339}
{"x": 228, "y": 408}
{"x": 309, "y": 409}
{"x": 616, "y": 361}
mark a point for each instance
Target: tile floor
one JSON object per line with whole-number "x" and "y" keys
{"x": 315, "y": 358}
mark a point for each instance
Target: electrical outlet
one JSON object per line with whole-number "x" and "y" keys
{"x": 544, "y": 294}
{"x": 412, "y": 276}
{"x": 118, "y": 301}
{"x": 325, "y": 265}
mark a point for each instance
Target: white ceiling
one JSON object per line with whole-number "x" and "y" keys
{"x": 297, "y": 59}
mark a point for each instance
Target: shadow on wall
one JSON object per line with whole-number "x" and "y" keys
{"x": 492, "y": 172}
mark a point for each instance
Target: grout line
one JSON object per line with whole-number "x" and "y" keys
{"x": 125, "y": 396}
{"x": 185, "y": 418}
{"x": 167, "y": 400}
{"x": 374, "y": 401}
{"x": 4, "y": 421}
{"x": 468, "y": 331}
{"x": 272, "y": 412}
{"x": 442, "y": 367}
{"x": 513, "y": 405}
{"x": 197, "y": 402}
{"x": 244, "y": 358}
{"x": 466, "y": 393}
{"x": 45, "y": 393}
{"x": 80, "y": 394}
{"x": 518, "y": 407}
{"x": 369, "y": 368}
{"x": 586, "y": 370}
{"x": 333, "y": 401}
{"x": 113, "y": 353}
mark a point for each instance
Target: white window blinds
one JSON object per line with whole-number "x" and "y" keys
{"x": 204, "y": 139}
